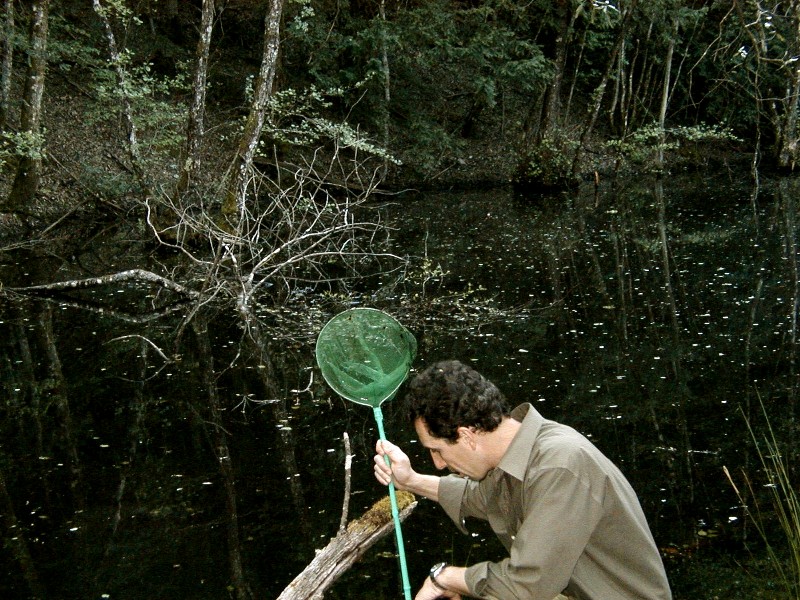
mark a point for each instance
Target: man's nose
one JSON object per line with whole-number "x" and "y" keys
{"x": 438, "y": 462}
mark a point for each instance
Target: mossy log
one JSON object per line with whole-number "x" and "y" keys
{"x": 346, "y": 548}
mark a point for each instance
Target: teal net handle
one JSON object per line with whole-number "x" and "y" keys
{"x": 401, "y": 551}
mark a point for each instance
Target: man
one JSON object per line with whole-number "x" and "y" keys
{"x": 569, "y": 519}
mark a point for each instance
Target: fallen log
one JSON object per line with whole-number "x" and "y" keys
{"x": 346, "y": 548}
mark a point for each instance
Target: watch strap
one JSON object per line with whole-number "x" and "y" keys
{"x": 436, "y": 571}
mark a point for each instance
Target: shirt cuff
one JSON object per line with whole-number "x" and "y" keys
{"x": 475, "y": 577}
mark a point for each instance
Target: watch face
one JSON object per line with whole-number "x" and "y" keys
{"x": 436, "y": 568}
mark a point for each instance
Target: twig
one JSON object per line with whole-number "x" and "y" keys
{"x": 348, "y": 462}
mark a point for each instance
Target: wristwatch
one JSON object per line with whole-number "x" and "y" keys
{"x": 436, "y": 570}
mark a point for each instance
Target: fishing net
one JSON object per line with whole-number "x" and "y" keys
{"x": 365, "y": 355}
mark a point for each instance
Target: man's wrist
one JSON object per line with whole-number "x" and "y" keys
{"x": 436, "y": 572}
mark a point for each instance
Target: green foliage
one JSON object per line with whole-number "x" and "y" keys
{"x": 157, "y": 109}
{"x": 640, "y": 147}
{"x": 428, "y": 145}
{"x": 548, "y": 164}
{"x": 295, "y": 117}
{"x": 22, "y": 144}
{"x": 449, "y": 67}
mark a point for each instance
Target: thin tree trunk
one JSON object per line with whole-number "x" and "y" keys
{"x": 236, "y": 194}
{"x": 386, "y": 84}
{"x": 7, "y": 70}
{"x": 29, "y": 170}
{"x": 195, "y": 128}
{"x": 576, "y": 72}
{"x": 662, "y": 113}
{"x": 127, "y": 107}
{"x": 782, "y": 111}
{"x": 640, "y": 98}
{"x": 600, "y": 90}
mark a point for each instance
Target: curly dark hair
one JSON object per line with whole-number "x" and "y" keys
{"x": 449, "y": 395}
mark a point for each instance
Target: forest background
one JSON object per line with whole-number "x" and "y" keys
{"x": 251, "y": 138}
{"x": 160, "y": 100}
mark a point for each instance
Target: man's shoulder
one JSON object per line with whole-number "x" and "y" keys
{"x": 559, "y": 445}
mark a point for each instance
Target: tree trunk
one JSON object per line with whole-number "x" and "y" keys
{"x": 346, "y": 548}
{"x": 29, "y": 169}
{"x": 238, "y": 184}
{"x": 782, "y": 111}
{"x": 600, "y": 89}
{"x": 552, "y": 100}
{"x": 790, "y": 137}
{"x": 7, "y": 70}
{"x": 195, "y": 129}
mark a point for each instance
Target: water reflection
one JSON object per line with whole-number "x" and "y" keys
{"x": 152, "y": 459}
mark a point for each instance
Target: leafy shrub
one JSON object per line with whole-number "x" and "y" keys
{"x": 548, "y": 165}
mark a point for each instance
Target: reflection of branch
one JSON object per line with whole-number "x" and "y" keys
{"x": 132, "y": 274}
{"x": 117, "y": 314}
{"x": 158, "y": 350}
{"x": 144, "y": 339}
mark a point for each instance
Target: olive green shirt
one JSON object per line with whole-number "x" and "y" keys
{"x": 568, "y": 517}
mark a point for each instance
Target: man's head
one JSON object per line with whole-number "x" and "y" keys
{"x": 450, "y": 395}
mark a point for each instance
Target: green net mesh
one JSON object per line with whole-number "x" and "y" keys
{"x": 365, "y": 355}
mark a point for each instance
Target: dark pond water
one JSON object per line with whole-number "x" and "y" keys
{"x": 651, "y": 316}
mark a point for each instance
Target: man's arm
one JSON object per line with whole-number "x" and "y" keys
{"x": 405, "y": 478}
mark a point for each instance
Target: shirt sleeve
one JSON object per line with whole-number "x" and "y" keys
{"x": 451, "y": 494}
{"x": 560, "y": 513}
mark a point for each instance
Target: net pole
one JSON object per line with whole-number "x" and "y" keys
{"x": 401, "y": 551}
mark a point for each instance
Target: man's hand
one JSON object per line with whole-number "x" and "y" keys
{"x": 430, "y": 591}
{"x": 400, "y": 468}
{"x": 405, "y": 478}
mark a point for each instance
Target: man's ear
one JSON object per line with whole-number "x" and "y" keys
{"x": 469, "y": 436}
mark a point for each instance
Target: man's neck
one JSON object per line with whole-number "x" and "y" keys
{"x": 497, "y": 441}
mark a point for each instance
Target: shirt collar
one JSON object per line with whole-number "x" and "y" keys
{"x": 515, "y": 460}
